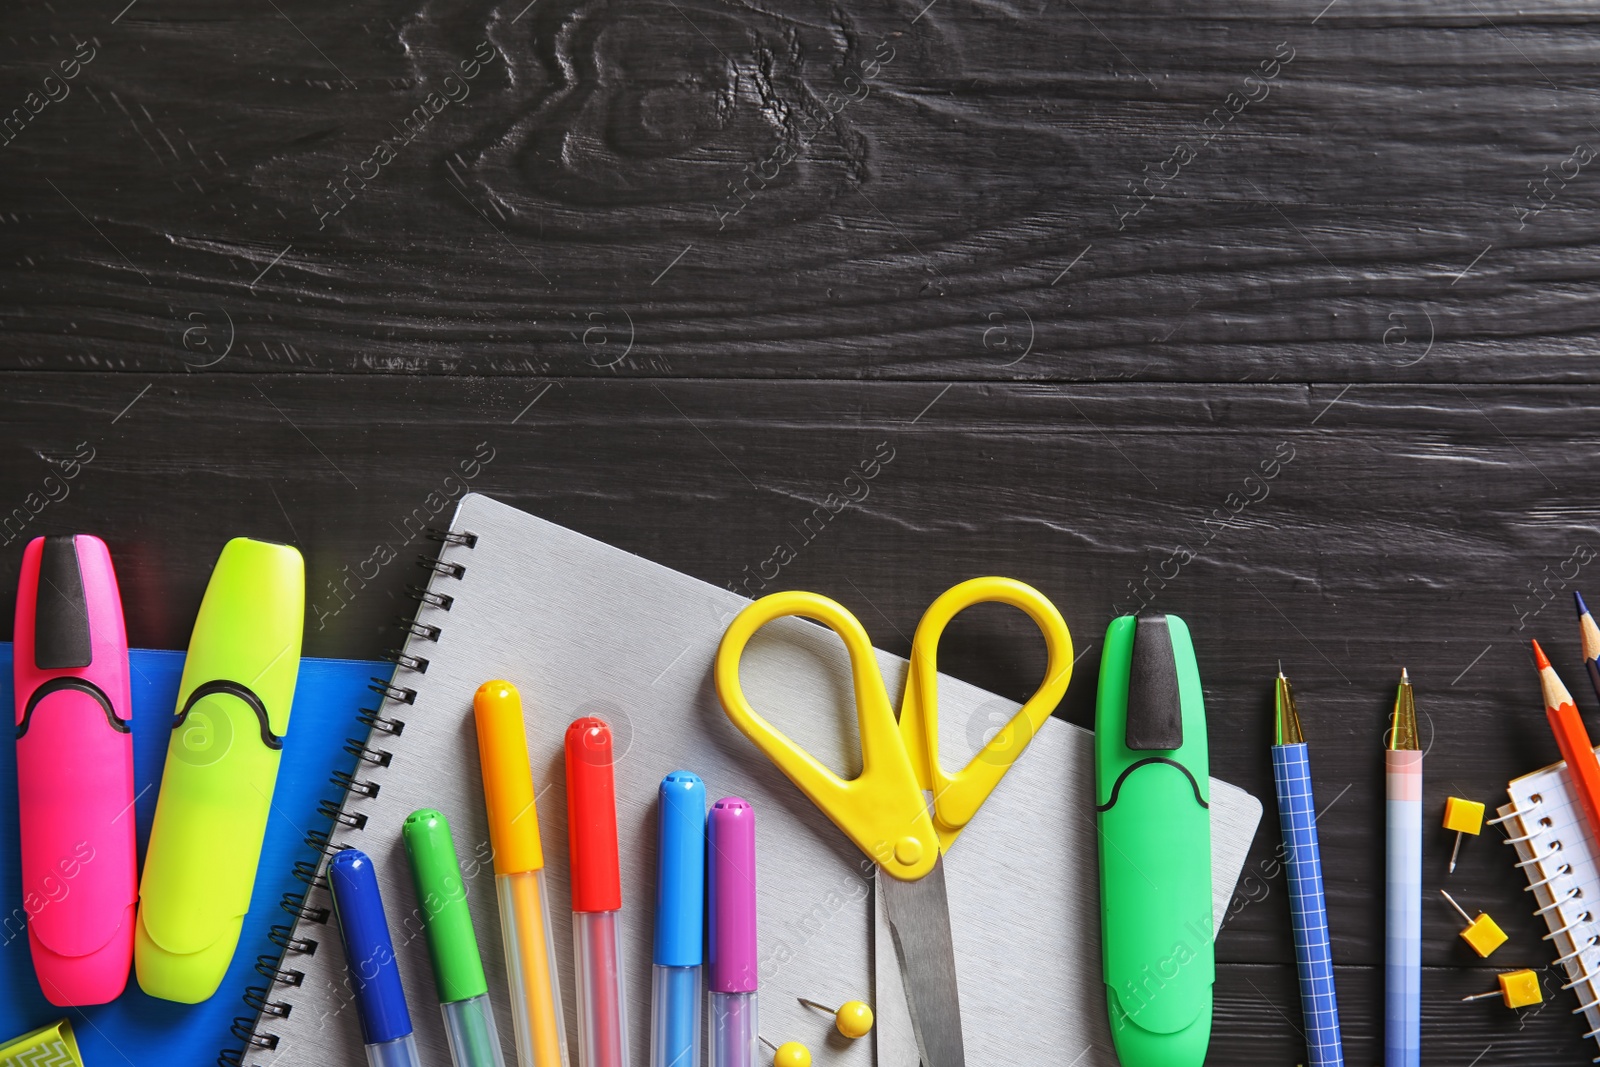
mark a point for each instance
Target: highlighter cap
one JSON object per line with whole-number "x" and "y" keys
{"x": 592, "y": 817}
{"x": 507, "y": 778}
{"x": 442, "y": 895}
{"x": 368, "y": 952}
{"x": 681, "y": 871}
{"x": 731, "y": 835}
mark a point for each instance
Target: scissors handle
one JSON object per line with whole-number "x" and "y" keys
{"x": 882, "y": 809}
{"x": 957, "y": 797}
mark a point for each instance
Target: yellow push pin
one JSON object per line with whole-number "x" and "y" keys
{"x": 789, "y": 1054}
{"x": 853, "y": 1018}
{"x": 1517, "y": 988}
{"x": 1464, "y": 817}
{"x": 1482, "y": 933}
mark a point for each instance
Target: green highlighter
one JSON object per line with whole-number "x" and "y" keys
{"x": 1153, "y": 795}
{"x": 222, "y": 763}
{"x": 457, "y": 967}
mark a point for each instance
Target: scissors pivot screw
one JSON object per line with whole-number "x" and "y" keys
{"x": 908, "y": 850}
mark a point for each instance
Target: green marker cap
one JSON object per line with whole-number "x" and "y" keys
{"x": 457, "y": 969}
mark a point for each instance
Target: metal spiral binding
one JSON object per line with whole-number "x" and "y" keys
{"x": 410, "y": 663}
{"x": 256, "y": 997}
{"x": 283, "y": 937}
{"x": 295, "y": 904}
{"x": 351, "y": 784}
{"x": 1540, "y": 854}
{"x": 309, "y": 873}
{"x": 267, "y": 967}
{"x": 370, "y": 718}
{"x": 246, "y": 1028}
{"x": 378, "y": 757}
{"x": 335, "y": 811}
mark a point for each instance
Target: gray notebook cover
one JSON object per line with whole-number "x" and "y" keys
{"x": 584, "y": 628}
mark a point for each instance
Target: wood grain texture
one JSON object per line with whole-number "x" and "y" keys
{"x": 1414, "y": 525}
{"x": 967, "y": 189}
{"x": 1306, "y": 358}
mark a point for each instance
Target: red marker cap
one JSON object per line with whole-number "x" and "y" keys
{"x": 592, "y": 817}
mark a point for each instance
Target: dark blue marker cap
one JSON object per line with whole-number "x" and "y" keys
{"x": 368, "y": 952}
{"x": 681, "y": 871}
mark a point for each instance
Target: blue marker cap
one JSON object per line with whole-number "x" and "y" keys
{"x": 368, "y": 952}
{"x": 681, "y": 871}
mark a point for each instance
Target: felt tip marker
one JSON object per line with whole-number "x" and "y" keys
{"x": 75, "y": 770}
{"x": 452, "y": 943}
{"x": 369, "y": 955}
{"x": 596, "y": 895}
{"x": 536, "y": 1018}
{"x": 731, "y": 835}
{"x": 680, "y": 921}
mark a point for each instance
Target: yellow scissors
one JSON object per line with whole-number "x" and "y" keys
{"x": 885, "y": 809}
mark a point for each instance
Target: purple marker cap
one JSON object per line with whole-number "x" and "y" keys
{"x": 731, "y": 849}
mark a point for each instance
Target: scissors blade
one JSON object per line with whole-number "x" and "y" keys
{"x": 919, "y": 922}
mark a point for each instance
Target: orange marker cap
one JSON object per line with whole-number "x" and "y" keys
{"x": 507, "y": 778}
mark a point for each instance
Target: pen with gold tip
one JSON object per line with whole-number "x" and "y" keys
{"x": 1308, "y": 907}
{"x": 1402, "y": 1006}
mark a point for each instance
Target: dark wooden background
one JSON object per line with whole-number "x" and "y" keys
{"x": 1380, "y": 262}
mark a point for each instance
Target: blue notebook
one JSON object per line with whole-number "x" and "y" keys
{"x": 136, "y": 1029}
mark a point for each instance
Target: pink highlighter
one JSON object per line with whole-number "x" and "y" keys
{"x": 75, "y": 770}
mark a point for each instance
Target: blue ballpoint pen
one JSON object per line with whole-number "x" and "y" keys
{"x": 1308, "y": 907}
{"x": 369, "y": 954}
{"x": 680, "y": 922}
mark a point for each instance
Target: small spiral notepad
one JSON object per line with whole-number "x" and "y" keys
{"x": 1558, "y": 854}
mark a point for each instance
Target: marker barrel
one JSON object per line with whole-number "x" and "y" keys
{"x": 675, "y": 1001}
{"x": 602, "y": 1007}
{"x": 734, "y": 1030}
{"x": 596, "y": 895}
{"x": 1402, "y": 1041}
{"x": 401, "y": 1052}
{"x": 675, "y": 1017}
{"x": 731, "y": 841}
{"x": 469, "y": 1024}
{"x": 536, "y": 1017}
{"x": 369, "y": 956}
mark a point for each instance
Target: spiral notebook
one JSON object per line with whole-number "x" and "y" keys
{"x": 138, "y": 1030}
{"x": 583, "y": 628}
{"x": 1548, "y": 828}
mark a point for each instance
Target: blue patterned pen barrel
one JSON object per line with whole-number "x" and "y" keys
{"x": 1308, "y": 908}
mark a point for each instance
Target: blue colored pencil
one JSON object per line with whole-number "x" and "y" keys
{"x": 1308, "y": 908}
{"x": 1402, "y": 1006}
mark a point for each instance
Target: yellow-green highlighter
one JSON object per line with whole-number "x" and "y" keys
{"x": 222, "y": 763}
{"x": 1153, "y": 797}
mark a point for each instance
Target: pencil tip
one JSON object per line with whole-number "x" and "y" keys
{"x": 1583, "y": 609}
{"x": 1540, "y": 660}
{"x": 1405, "y": 677}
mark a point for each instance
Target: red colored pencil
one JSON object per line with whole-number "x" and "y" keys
{"x": 1572, "y": 739}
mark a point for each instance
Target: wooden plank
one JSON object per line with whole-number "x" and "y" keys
{"x": 1257, "y": 1016}
{"x": 1396, "y": 193}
